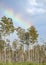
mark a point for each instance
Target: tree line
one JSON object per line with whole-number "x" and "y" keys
{"x": 24, "y": 48}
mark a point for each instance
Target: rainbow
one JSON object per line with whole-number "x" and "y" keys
{"x": 17, "y": 19}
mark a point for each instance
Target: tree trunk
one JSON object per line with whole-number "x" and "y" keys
{"x": 28, "y": 54}
{"x": 9, "y": 60}
{"x": 12, "y": 55}
{"x": 23, "y": 53}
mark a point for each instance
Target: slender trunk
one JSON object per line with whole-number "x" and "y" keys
{"x": 0, "y": 56}
{"x": 9, "y": 60}
{"x": 9, "y": 55}
{"x": 5, "y": 54}
{"x": 12, "y": 55}
{"x": 28, "y": 54}
{"x": 33, "y": 55}
{"x": 5, "y": 49}
{"x": 22, "y": 50}
{"x": 23, "y": 53}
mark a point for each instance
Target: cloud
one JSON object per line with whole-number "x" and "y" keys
{"x": 35, "y": 7}
{"x": 32, "y": 2}
{"x": 35, "y": 10}
{"x": 42, "y": 2}
{"x": 35, "y": 3}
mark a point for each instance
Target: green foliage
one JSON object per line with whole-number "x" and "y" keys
{"x": 33, "y": 34}
{"x": 21, "y": 34}
{"x": 7, "y": 25}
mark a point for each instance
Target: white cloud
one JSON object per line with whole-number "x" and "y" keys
{"x": 35, "y": 7}
{"x": 40, "y": 10}
{"x": 36, "y": 10}
{"x": 32, "y": 2}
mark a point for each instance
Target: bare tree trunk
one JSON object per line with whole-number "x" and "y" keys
{"x": 0, "y": 57}
{"x": 5, "y": 49}
{"x": 9, "y": 60}
{"x": 5, "y": 55}
{"x": 28, "y": 54}
{"x": 23, "y": 53}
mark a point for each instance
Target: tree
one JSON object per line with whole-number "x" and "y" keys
{"x": 21, "y": 36}
{"x": 8, "y": 27}
{"x": 33, "y": 35}
{"x": 27, "y": 43}
{"x": 8, "y": 24}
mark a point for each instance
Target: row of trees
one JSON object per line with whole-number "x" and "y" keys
{"x": 20, "y": 50}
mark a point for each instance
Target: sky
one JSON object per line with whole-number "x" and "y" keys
{"x": 26, "y": 13}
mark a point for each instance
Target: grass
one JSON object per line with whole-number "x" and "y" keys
{"x": 22, "y": 63}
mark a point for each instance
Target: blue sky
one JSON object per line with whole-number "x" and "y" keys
{"x": 33, "y": 11}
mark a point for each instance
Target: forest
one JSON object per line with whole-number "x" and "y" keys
{"x": 24, "y": 50}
